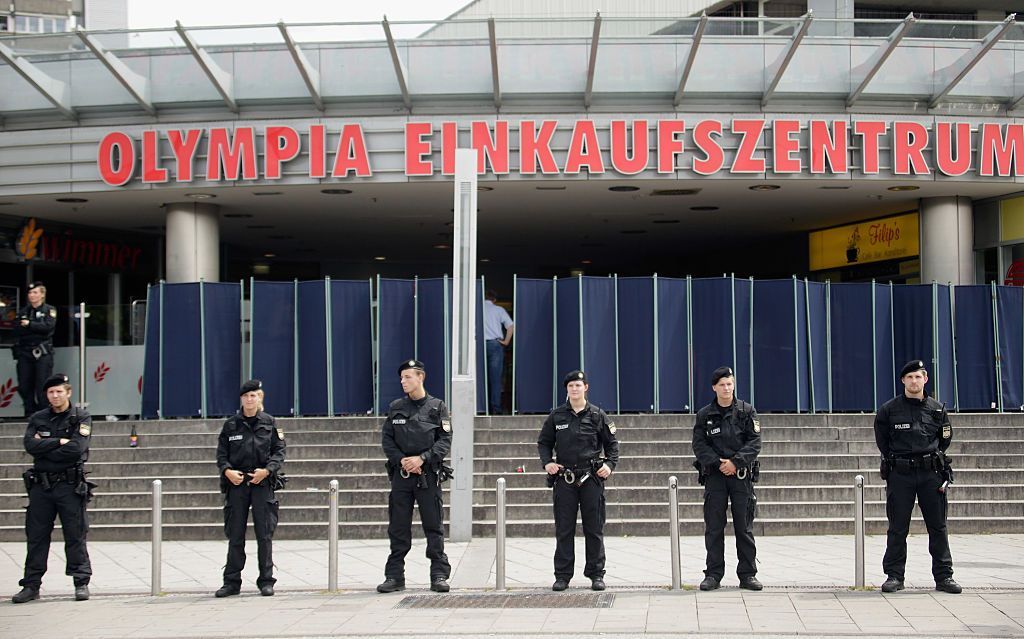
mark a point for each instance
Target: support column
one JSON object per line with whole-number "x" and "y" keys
{"x": 947, "y": 240}
{"x": 193, "y": 242}
{"x": 114, "y": 317}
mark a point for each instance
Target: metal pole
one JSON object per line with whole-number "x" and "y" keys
{"x": 874, "y": 348}
{"x": 673, "y": 529}
{"x": 554, "y": 341}
{"x": 796, "y": 345}
{"x": 332, "y": 536}
{"x": 82, "y": 401}
{"x": 416, "y": 317}
{"x": 252, "y": 321}
{"x": 375, "y": 322}
{"x": 892, "y": 339}
{"x": 858, "y": 530}
{"x": 295, "y": 347}
{"x": 158, "y": 523}
{"x": 952, "y": 334}
{"x": 241, "y": 331}
{"x": 828, "y": 339}
{"x": 810, "y": 346}
{"x": 487, "y": 365}
{"x": 448, "y": 339}
{"x": 515, "y": 318}
{"x": 936, "y": 385}
{"x": 329, "y": 332}
{"x": 499, "y": 536}
{"x": 657, "y": 360}
{"x": 160, "y": 374}
{"x": 618, "y": 396}
{"x": 202, "y": 348}
{"x": 583, "y": 352}
{"x": 751, "y": 347}
{"x": 995, "y": 346}
{"x": 732, "y": 300}
{"x": 689, "y": 342}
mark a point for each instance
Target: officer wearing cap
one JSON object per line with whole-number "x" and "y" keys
{"x": 416, "y": 436}
{"x": 250, "y": 457}
{"x": 570, "y": 447}
{"x": 912, "y": 431}
{"x": 58, "y": 440}
{"x": 33, "y": 347}
{"x": 726, "y": 442}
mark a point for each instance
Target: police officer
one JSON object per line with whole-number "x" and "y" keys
{"x": 726, "y": 442}
{"x": 58, "y": 440}
{"x": 250, "y": 457}
{"x": 913, "y": 432}
{"x": 33, "y": 347}
{"x": 416, "y": 436}
{"x": 570, "y": 446}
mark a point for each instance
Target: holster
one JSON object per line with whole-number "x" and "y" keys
{"x": 702, "y": 477}
{"x": 278, "y": 480}
{"x": 29, "y": 477}
{"x": 390, "y": 468}
{"x": 755, "y": 471}
{"x": 884, "y": 468}
{"x": 444, "y": 473}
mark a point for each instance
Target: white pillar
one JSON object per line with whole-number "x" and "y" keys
{"x": 193, "y": 242}
{"x": 947, "y": 240}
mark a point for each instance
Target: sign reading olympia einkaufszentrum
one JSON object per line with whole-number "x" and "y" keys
{"x": 550, "y": 147}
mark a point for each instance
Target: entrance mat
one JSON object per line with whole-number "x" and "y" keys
{"x": 548, "y": 600}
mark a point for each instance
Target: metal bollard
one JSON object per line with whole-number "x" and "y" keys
{"x": 332, "y": 537}
{"x": 499, "y": 536}
{"x": 858, "y": 530}
{"x": 82, "y": 315}
{"x": 158, "y": 522}
{"x": 673, "y": 529}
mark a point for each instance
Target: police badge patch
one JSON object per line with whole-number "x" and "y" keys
{"x": 611, "y": 427}
{"x": 947, "y": 431}
{"x": 446, "y": 425}
{"x": 757, "y": 426}
{"x": 280, "y": 433}
{"x": 53, "y": 313}
{"x": 84, "y": 429}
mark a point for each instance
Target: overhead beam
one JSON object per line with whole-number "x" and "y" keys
{"x": 136, "y": 85}
{"x": 219, "y": 78}
{"x": 787, "y": 56}
{"x": 55, "y": 91}
{"x": 309, "y": 74}
{"x": 955, "y": 72}
{"x": 397, "y": 61}
{"x": 1016, "y": 103}
{"x": 878, "y": 58}
{"x": 595, "y": 39}
{"x": 494, "y": 62}
{"x": 691, "y": 55}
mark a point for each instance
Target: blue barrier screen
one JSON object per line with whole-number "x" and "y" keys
{"x": 351, "y": 344}
{"x": 272, "y": 334}
{"x": 396, "y": 309}
{"x": 912, "y": 327}
{"x": 743, "y": 300}
{"x": 975, "y": 360}
{"x": 599, "y": 341}
{"x": 712, "y": 334}
{"x": 944, "y": 324}
{"x": 775, "y": 370}
{"x": 151, "y": 363}
{"x": 884, "y": 360}
{"x": 673, "y": 348}
{"x": 182, "y": 357}
{"x": 312, "y": 319}
{"x": 1010, "y": 304}
{"x": 636, "y": 344}
{"x": 567, "y": 338}
{"x": 852, "y": 363}
{"x": 817, "y": 345}
{"x": 431, "y": 337}
{"x": 534, "y": 346}
{"x": 223, "y": 321}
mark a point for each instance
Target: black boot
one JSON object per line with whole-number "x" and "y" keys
{"x": 892, "y": 584}
{"x": 26, "y": 594}
{"x": 709, "y": 583}
{"x": 948, "y": 585}
{"x": 391, "y": 585}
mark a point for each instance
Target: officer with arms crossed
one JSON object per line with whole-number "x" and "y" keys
{"x": 913, "y": 432}
{"x": 33, "y": 347}
{"x": 250, "y": 457}
{"x": 727, "y": 441}
{"x": 58, "y": 440}
{"x": 578, "y": 432}
{"x": 416, "y": 437}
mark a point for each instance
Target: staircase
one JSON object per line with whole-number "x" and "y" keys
{"x": 808, "y": 466}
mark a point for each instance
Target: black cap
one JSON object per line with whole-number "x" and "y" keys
{"x": 912, "y": 366}
{"x": 36, "y": 284}
{"x": 719, "y": 373}
{"x": 574, "y": 376}
{"x": 414, "y": 364}
{"x": 55, "y": 380}
{"x": 250, "y": 386}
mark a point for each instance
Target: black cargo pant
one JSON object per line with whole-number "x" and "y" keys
{"x": 902, "y": 487}
{"x": 32, "y": 374}
{"x": 719, "y": 490}
{"x": 588, "y": 500}
{"x": 239, "y": 499}
{"x": 43, "y": 508}
{"x": 424, "y": 491}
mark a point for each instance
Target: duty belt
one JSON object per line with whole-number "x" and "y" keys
{"x": 930, "y": 461}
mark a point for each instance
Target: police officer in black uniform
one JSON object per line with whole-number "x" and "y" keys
{"x": 33, "y": 347}
{"x": 576, "y": 433}
{"x": 913, "y": 432}
{"x": 726, "y": 442}
{"x": 416, "y": 436}
{"x": 250, "y": 457}
{"x": 58, "y": 440}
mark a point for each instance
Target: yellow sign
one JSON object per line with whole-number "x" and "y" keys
{"x": 891, "y": 238}
{"x": 1012, "y": 223}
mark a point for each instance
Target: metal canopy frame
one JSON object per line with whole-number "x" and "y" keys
{"x": 959, "y": 69}
{"x": 494, "y": 62}
{"x": 1016, "y": 102}
{"x": 691, "y": 56}
{"x": 397, "y": 61}
{"x": 595, "y": 40}
{"x": 309, "y": 74}
{"x": 787, "y": 56}
{"x": 136, "y": 85}
{"x": 221, "y": 79}
{"x": 55, "y": 91}
{"x": 878, "y": 58}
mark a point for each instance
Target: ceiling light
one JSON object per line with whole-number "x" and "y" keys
{"x": 72, "y": 200}
{"x": 261, "y": 269}
{"x": 441, "y": 246}
{"x": 335, "y": 191}
{"x": 703, "y": 208}
{"x": 485, "y": 188}
{"x": 906, "y": 187}
{"x": 485, "y": 259}
{"x": 238, "y": 216}
{"x": 765, "y": 187}
{"x": 675, "y": 192}
{"x": 585, "y": 262}
{"x": 380, "y": 258}
{"x": 269, "y": 255}
{"x": 200, "y": 196}
{"x": 623, "y": 189}
{"x": 550, "y": 188}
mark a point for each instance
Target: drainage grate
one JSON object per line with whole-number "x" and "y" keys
{"x": 566, "y": 600}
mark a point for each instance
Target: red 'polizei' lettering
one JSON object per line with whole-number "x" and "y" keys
{"x": 116, "y": 171}
{"x": 230, "y": 155}
{"x": 870, "y": 131}
{"x": 828, "y": 147}
{"x": 282, "y": 145}
{"x": 621, "y": 160}
{"x": 152, "y": 173}
{"x": 416, "y": 148}
{"x": 1007, "y": 152}
{"x": 784, "y": 145}
{"x": 184, "y": 145}
{"x": 352, "y": 155}
{"x": 449, "y": 142}
{"x": 535, "y": 146}
{"x": 944, "y": 148}
{"x": 713, "y": 158}
{"x": 669, "y": 144}
{"x": 488, "y": 149}
{"x": 317, "y": 151}
{"x": 584, "y": 149}
{"x": 909, "y": 140}
{"x": 745, "y": 162}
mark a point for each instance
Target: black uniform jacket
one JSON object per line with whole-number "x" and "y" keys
{"x": 417, "y": 427}
{"x": 579, "y": 438}
{"x": 41, "y": 322}
{"x": 246, "y": 449}
{"x": 905, "y": 427}
{"x": 735, "y": 436}
{"x": 50, "y": 457}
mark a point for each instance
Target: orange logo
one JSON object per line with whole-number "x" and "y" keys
{"x": 28, "y": 241}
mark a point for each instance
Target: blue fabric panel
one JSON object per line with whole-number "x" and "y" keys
{"x": 852, "y": 373}
{"x": 975, "y": 361}
{"x": 1010, "y": 304}
{"x": 912, "y": 327}
{"x": 712, "y": 309}
{"x": 599, "y": 340}
{"x": 272, "y": 332}
{"x": 945, "y": 387}
{"x": 432, "y": 338}
{"x": 223, "y": 321}
{"x": 673, "y": 349}
{"x": 775, "y": 372}
{"x": 396, "y": 309}
{"x": 481, "y": 352}
{"x": 802, "y": 341}
{"x": 352, "y": 347}
{"x": 884, "y": 360}
{"x": 534, "y": 345}
{"x": 817, "y": 342}
{"x": 182, "y": 357}
{"x": 312, "y": 319}
{"x": 567, "y": 298}
{"x": 743, "y": 291}
{"x": 151, "y": 357}
{"x": 636, "y": 344}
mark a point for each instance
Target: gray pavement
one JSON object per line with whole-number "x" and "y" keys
{"x": 808, "y": 592}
